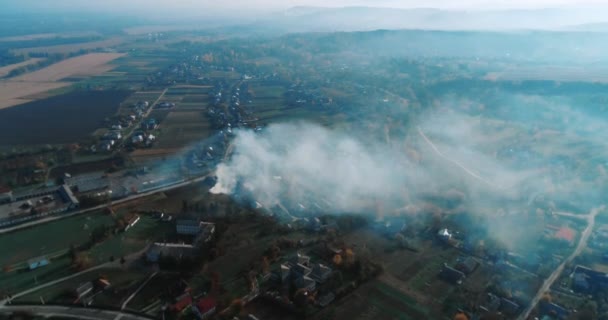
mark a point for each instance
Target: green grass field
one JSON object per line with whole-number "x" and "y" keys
{"x": 19, "y": 280}
{"x": 135, "y": 239}
{"x": 48, "y": 238}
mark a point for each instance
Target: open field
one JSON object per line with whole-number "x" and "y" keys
{"x": 181, "y": 128}
{"x": 48, "y": 238}
{"x": 64, "y": 118}
{"x": 18, "y": 90}
{"x": 88, "y": 64}
{"x": 135, "y": 239}
{"x": 19, "y": 280}
{"x": 7, "y": 69}
{"x": 73, "y": 47}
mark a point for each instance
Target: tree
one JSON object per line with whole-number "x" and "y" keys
{"x": 81, "y": 261}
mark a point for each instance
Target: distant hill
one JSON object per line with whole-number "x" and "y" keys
{"x": 304, "y": 19}
{"x": 590, "y": 27}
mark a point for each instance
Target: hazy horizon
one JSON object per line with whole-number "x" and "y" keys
{"x": 188, "y": 8}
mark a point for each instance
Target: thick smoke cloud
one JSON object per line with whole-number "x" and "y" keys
{"x": 447, "y": 162}
{"x": 311, "y": 167}
{"x": 305, "y": 164}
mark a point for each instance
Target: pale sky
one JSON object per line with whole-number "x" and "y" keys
{"x": 264, "y": 5}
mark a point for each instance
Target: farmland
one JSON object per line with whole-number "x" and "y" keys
{"x": 181, "y": 128}
{"x": 72, "y": 47}
{"x": 63, "y": 118}
{"x": 89, "y": 64}
{"x": 17, "y": 90}
{"x": 4, "y": 71}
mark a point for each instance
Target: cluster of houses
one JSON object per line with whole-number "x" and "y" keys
{"x": 298, "y": 274}
{"x": 203, "y": 307}
{"x": 112, "y": 138}
{"x": 144, "y": 138}
{"x": 237, "y": 114}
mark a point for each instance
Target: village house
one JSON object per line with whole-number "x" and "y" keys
{"x": 6, "y": 195}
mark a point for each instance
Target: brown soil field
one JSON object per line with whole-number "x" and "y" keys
{"x": 88, "y": 64}
{"x": 6, "y": 69}
{"x": 13, "y": 91}
{"x": 141, "y": 156}
{"x": 37, "y": 36}
{"x": 72, "y": 47}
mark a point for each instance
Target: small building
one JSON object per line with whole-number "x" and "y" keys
{"x": 301, "y": 270}
{"x": 300, "y": 259}
{"x": 149, "y": 124}
{"x": 176, "y": 250}
{"x": 207, "y": 230}
{"x": 6, "y": 195}
{"x": 204, "y": 308}
{"x": 444, "y": 234}
{"x": 565, "y": 234}
{"x": 466, "y": 264}
{"x": 188, "y": 227}
{"x": 580, "y": 282}
{"x": 68, "y": 196}
{"x": 38, "y": 262}
{"x": 305, "y": 282}
{"x": 320, "y": 273}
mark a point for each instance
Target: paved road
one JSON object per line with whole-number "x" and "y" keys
{"x": 102, "y": 206}
{"x": 124, "y": 305}
{"x": 551, "y": 279}
{"x": 73, "y": 312}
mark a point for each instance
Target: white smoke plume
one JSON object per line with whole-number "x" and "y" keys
{"x": 305, "y": 165}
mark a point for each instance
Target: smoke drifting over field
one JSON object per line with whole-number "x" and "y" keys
{"x": 305, "y": 165}
{"x": 449, "y": 162}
